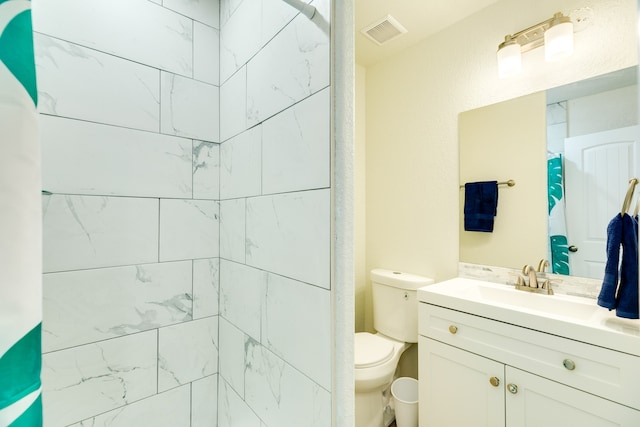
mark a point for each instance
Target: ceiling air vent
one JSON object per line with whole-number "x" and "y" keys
{"x": 384, "y": 30}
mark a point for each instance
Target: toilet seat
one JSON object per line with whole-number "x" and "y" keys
{"x": 371, "y": 350}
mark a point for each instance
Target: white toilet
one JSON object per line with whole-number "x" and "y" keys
{"x": 395, "y": 318}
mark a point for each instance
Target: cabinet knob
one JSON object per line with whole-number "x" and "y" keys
{"x": 495, "y": 381}
{"x": 569, "y": 364}
{"x": 513, "y": 389}
{"x": 453, "y": 329}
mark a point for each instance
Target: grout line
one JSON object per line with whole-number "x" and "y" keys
{"x": 158, "y": 133}
{"x": 143, "y": 263}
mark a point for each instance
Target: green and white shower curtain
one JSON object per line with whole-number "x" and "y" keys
{"x": 20, "y": 222}
{"x": 558, "y": 245}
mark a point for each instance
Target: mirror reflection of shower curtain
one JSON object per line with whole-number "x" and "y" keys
{"x": 558, "y": 245}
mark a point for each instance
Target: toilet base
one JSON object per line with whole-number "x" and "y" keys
{"x": 372, "y": 408}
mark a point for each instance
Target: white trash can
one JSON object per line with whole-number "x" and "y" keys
{"x": 405, "y": 399}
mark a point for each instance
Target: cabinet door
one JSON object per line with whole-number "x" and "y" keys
{"x": 458, "y": 388}
{"x": 539, "y": 402}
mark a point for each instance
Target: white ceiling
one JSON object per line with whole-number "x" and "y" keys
{"x": 421, "y": 18}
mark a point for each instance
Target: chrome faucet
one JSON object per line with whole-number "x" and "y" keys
{"x": 533, "y": 285}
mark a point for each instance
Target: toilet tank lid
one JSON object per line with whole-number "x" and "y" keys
{"x": 399, "y": 279}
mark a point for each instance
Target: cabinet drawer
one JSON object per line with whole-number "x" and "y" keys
{"x": 603, "y": 372}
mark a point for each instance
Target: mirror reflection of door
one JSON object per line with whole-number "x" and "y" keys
{"x": 598, "y": 168}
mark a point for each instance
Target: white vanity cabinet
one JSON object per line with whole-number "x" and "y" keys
{"x": 475, "y": 371}
{"x": 455, "y": 388}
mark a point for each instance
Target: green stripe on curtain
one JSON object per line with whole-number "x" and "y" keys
{"x": 31, "y": 417}
{"x": 16, "y": 52}
{"x": 19, "y": 367}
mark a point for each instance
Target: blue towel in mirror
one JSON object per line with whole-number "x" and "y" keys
{"x": 480, "y": 205}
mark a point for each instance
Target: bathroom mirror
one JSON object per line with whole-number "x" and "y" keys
{"x": 588, "y": 133}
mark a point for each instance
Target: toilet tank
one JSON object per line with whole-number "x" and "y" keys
{"x": 395, "y": 303}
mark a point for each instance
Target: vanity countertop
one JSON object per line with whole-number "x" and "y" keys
{"x": 577, "y": 318}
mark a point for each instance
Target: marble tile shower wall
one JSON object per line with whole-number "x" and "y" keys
{"x": 129, "y": 102}
{"x": 275, "y": 213}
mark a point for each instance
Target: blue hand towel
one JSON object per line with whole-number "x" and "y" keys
{"x": 620, "y": 285}
{"x": 607, "y": 297}
{"x": 480, "y": 205}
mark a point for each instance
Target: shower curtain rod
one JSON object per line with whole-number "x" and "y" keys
{"x": 306, "y": 9}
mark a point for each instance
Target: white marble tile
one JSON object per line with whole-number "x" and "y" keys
{"x": 188, "y": 229}
{"x": 275, "y": 15}
{"x": 232, "y": 410}
{"x": 189, "y": 108}
{"x": 85, "y": 306}
{"x": 281, "y": 395}
{"x": 83, "y": 381}
{"x": 290, "y": 234}
{"x": 204, "y": 402}
{"x": 233, "y": 105}
{"x": 227, "y": 8}
{"x": 206, "y": 53}
{"x": 156, "y": 1}
{"x": 296, "y": 146}
{"x": 232, "y": 357}
{"x": 207, "y": 11}
{"x": 113, "y": 90}
{"x": 242, "y": 291}
{"x": 232, "y": 229}
{"x": 168, "y": 409}
{"x": 187, "y": 352}
{"x": 292, "y": 66}
{"x": 206, "y": 287}
{"x": 206, "y": 170}
{"x": 240, "y": 37}
{"x": 296, "y": 325}
{"x": 108, "y": 160}
{"x": 146, "y": 32}
{"x": 240, "y": 165}
{"x": 89, "y": 232}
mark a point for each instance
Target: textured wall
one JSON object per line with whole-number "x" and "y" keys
{"x": 413, "y": 102}
{"x": 275, "y": 239}
{"x": 129, "y": 122}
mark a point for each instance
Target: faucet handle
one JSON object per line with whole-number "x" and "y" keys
{"x": 519, "y": 279}
{"x": 547, "y": 285}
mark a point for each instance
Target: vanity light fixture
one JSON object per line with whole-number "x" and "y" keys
{"x": 556, "y": 34}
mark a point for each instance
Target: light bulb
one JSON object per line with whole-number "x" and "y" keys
{"x": 509, "y": 59}
{"x": 558, "y": 41}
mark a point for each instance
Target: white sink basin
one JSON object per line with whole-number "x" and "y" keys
{"x": 559, "y": 305}
{"x": 572, "y": 317}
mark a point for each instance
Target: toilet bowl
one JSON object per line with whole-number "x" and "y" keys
{"x": 395, "y": 315}
{"x": 376, "y": 359}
